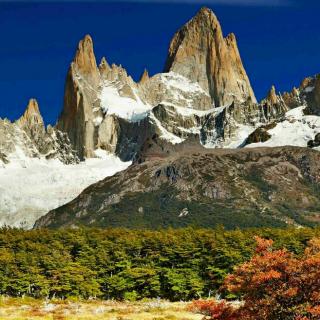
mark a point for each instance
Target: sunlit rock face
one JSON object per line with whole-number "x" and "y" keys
{"x": 200, "y": 52}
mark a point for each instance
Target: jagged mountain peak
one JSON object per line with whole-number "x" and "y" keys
{"x": 272, "y": 95}
{"x": 205, "y": 15}
{"x": 85, "y": 59}
{"x": 199, "y": 52}
{"x": 144, "y": 77}
{"x": 32, "y": 116}
{"x": 104, "y": 66}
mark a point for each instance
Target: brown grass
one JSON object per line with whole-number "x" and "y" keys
{"x": 32, "y": 309}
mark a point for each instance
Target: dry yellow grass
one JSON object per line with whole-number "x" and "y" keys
{"x": 32, "y": 309}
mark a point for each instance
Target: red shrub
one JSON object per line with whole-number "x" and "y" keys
{"x": 214, "y": 310}
{"x": 274, "y": 285}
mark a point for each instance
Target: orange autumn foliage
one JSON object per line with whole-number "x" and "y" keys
{"x": 214, "y": 310}
{"x": 273, "y": 285}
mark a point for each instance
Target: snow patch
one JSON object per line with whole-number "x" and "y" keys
{"x": 309, "y": 89}
{"x": 187, "y": 112}
{"x": 296, "y": 130}
{"x": 97, "y": 121}
{"x": 177, "y": 81}
{"x": 124, "y": 107}
{"x": 30, "y": 187}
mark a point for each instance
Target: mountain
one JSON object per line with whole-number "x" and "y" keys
{"x": 202, "y": 100}
{"x": 203, "y": 91}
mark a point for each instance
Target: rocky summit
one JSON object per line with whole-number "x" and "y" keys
{"x": 192, "y": 131}
{"x": 200, "y": 52}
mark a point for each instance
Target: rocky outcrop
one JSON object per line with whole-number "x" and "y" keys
{"x": 261, "y": 134}
{"x": 31, "y": 121}
{"x": 144, "y": 77}
{"x": 199, "y": 52}
{"x": 292, "y": 99}
{"x": 316, "y": 142}
{"x": 85, "y": 60}
{"x": 310, "y": 89}
{"x": 80, "y": 98}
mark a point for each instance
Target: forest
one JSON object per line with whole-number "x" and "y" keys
{"x": 123, "y": 264}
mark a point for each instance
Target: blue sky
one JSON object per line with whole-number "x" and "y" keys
{"x": 279, "y": 41}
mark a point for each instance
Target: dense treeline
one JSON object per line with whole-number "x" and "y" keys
{"x": 130, "y": 264}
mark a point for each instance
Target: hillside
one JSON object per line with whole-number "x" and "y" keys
{"x": 201, "y": 187}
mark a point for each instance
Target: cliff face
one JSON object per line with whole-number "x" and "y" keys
{"x": 199, "y": 52}
{"x": 310, "y": 88}
{"x": 80, "y": 95}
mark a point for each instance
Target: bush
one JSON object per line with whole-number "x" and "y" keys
{"x": 274, "y": 284}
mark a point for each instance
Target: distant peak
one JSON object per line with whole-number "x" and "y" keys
{"x": 85, "y": 44}
{"x": 33, "y": 106}
{"x": 272, "y": 95}
{"x": 31, "y": 114}
{"x": 231, "y": 37}
{"x": 87, "y": 38}
{"x": 104, "y": 65}
{"x": 144, "y": 77}
{"x": 104, "y": 61}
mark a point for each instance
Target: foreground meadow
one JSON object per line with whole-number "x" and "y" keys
{"x": 29, "y": 309}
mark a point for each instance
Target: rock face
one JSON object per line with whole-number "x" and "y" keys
{"x": 310, "y": 88}
{"x": 316, "y": 142}
{"x": 237, "y": 188}
{"x": 31, "y": 121}
{"x": 80, "y": 96}
{"x": 199, "y": 52}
